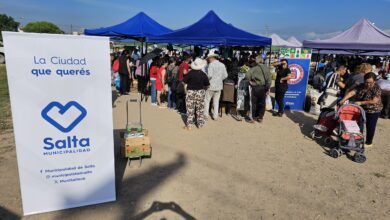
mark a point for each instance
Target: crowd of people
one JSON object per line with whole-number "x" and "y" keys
{"x": 189, "y": 84}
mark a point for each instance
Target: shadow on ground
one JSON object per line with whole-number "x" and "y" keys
{"x": 305, "y": 124}
{"x": 160, "y": 206}
{"x": 131, "y": 190}
{"x": 7, "y": 215}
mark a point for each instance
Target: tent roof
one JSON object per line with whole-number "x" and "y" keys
{"x": 280, "y": 42}
{"x": 139, "y": 26}
{"x": 361, "y": 36}
{"x": 211, "y": 30}
{"x": 294, "y": 41}
{"x": 351, "y": 53}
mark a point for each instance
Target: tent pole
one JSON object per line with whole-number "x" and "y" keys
{"x": 142, "y": 70}
{"x": 318, "y": 57}
{"x": 142, "y": 55}
{"x": 270, "y": 55}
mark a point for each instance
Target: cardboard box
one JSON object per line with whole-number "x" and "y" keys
{"x": 136, "y": 145}
{"x": 137, "y": 141}
{"x": 136, "y": 151}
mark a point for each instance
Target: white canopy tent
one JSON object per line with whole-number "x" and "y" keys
{"x": 294, "y": 41}
{"x": 277, "y": 41}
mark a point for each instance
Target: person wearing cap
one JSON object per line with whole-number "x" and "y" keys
{"x": 197, "y": 83}
{"x": 259, "y": 78}
{"x": 216, "y": 72}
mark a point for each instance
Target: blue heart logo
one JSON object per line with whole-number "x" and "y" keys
{"x": 62, "y": 109}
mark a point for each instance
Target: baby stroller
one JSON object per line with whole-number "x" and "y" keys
{"x": 350, "y": 132}
{"x": 347, "y": 126}
{"x": 325, "y": 125}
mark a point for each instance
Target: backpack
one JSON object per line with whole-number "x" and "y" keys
{"x": 115, "y": 66}
{"x": 169, "y": 76}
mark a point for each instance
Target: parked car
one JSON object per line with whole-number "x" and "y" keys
{"x": 2, "y": 57}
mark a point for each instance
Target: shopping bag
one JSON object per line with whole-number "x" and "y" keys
{"x": 328, "y": 98}
{"x": 268, "y": 103}
{"x": 315, "y": 108}
{"x": 117, "y": 82}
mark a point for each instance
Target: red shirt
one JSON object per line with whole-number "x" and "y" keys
{"x": 183, "y": 66}
{"x": 159, "y": 83}
{"x": 153, "y": 72}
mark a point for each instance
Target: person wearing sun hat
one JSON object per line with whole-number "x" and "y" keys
{"x": 216, "y": 72}
{"x": 197, "y": 83}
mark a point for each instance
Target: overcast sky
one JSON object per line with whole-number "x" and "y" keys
{"x": 305, "y": 19}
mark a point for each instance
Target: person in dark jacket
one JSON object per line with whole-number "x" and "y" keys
{"x": 171, "y": 78}
{"x": 281, "y": 85}
{"x": 259, "y": 78}
{"x": 124, "y": 72}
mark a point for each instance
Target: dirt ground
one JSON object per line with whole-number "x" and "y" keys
{"x": 228, "y": 170}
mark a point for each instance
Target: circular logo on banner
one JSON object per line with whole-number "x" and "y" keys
{"x": 297, "y": 74}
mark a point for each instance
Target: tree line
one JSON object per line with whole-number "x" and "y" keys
{"x": 8, "y": 23}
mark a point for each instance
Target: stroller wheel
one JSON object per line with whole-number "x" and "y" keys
{"x": 328, "y": 140}
{"x": 335, "y": 153}
{"x": 313, "y": 134}
{"x": 359, "y": 158}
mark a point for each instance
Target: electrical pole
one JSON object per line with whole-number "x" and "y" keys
{"x": 21, "y": 22}
{"x": 266, "y": 30}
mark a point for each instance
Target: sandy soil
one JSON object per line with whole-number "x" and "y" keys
{"x": 228, "y": 170}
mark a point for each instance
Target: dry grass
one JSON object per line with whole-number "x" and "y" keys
{"x": 5, "y": 108}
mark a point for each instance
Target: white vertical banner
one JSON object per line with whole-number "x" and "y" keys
{"x": 62, "y": 115}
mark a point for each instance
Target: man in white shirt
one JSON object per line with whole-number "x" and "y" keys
{"x": 216, "y": 72}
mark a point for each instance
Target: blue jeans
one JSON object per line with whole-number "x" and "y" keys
{"x": 171, "y": 98}
{"x": 153, "y": 91}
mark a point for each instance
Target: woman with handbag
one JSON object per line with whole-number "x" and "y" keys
{"x": 260, "y": 79}
{"x": 335, "y": 88}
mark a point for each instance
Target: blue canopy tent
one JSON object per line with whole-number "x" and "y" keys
{"x": 122, "y": 40}
{"x": 138, "y": 27}
{"x": 211, "y": 30}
